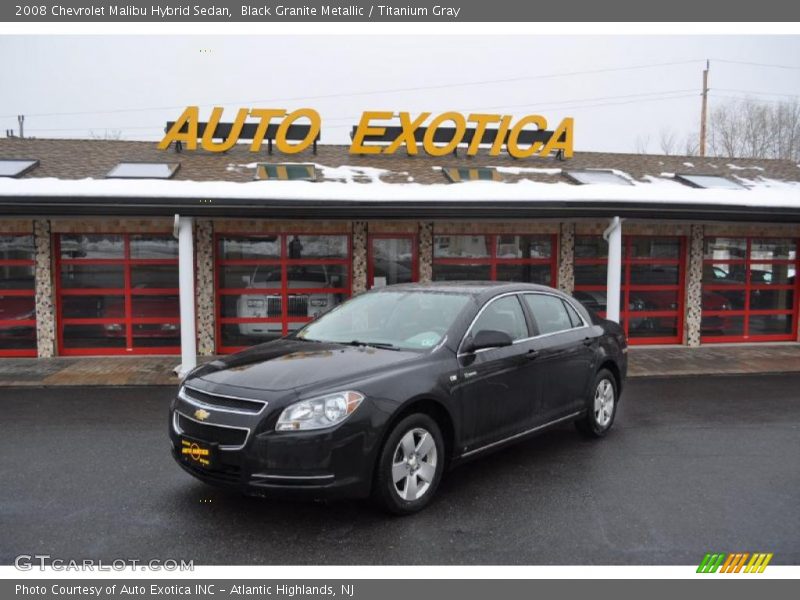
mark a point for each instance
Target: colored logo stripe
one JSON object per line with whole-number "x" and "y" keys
{"x": 734, "y": 562}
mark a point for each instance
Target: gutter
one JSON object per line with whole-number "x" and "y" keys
{"x": 389, "y": 209}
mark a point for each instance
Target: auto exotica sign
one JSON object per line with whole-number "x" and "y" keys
{"x": 377, "y": 132}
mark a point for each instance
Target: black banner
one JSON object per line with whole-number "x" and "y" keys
{"x": 452, "y": 11}
{"x": 732, "y": 588}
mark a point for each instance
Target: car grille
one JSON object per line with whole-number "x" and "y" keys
{"x": 298, "y": 306}
{"x": 224, "y": 436}
{"x": 274, "y": 306}
{"x": 242, "y": 404}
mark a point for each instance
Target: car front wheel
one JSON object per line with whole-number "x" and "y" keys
{"x": 602, "y": 406}
{"x": 410, "y": 465}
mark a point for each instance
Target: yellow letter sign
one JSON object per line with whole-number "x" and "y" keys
{"x": 460, "y": 124}
{"x": 190, "y": 120}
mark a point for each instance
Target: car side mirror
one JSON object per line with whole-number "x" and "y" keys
{"x": 489, "y": 338}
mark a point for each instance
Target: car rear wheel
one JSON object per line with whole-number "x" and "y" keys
{"x": 602, "y": 407}
{"x": 410, "y": 465}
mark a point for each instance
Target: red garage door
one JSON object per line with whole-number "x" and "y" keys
{"x": 749, "y": 289}
{"x": 500, "y": 257}
{"x": 17, "y": 296}
{"x": 270, "y": 285}
{"x": 117, "y": 294}
{"x": 653, "y": 284}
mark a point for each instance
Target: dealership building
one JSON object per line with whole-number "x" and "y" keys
{"x": 119, "y": 247}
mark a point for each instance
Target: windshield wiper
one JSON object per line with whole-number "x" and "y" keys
{"x": 383, "y": 345}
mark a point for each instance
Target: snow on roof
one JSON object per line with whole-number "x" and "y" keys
{"x": 760, "y": 193}
{"x": 523, "y": 170}
{"x": 733, "y": 167}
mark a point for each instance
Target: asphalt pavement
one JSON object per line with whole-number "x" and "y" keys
{"x": 693, "y": 465}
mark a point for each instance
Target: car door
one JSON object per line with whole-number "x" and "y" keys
{"x": 565, "y": 355}
{"x": 495, "y": 392}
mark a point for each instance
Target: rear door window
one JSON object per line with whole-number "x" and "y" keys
{"x": 573, "y": 315}
{"x": 549, "y": 312}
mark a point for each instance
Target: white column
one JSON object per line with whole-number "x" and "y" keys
{"x": 613, "y": 235}
{"x": 183, "y": 231}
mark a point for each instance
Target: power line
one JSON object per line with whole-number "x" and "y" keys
{"x": 755, "y": 64}
{"x": 376, "y": 92}
{"x": 693, "y": 95}
{"x": 417, "y": 88}
{"x": 732, "y": 97}
{"x": 546, "y": 104}
{"x": 757, "y": 93}
{"x": 642, "y": 97}
{"x": 99, "y": 128}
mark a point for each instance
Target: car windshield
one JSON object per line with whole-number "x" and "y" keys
{"x": 403, "y": 320}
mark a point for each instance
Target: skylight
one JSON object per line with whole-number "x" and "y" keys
{"x": 16, "y": 167}
{"x": 286, "y": 171}
{"x": 457, "y": 174}
{"x": 595, "y": 176}
{"x": 143, "y": 170}
{"x": 709, "y": 181}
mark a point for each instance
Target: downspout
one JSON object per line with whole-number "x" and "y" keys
{"x": 183, "y": 231}
{"x": 613, "y": 235}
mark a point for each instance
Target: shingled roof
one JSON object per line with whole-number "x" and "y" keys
{"x": 81, "y": 159}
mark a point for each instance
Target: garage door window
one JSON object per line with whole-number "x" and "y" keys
{"x": 271, "y": 285}
{"x": 506, "y": 257}
{"x": 749, "y": 289}
{"x": 653, "y": 283}
{"x": 17, "y": 296}
{"x": 392, "y": 259}
{"x": 117, "y": 294}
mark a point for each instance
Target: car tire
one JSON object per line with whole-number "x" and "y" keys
{"x": 600, "y": 415}
{"x": 410, "y": 465}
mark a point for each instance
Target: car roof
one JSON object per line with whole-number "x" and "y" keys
{"x": 483, "y": 289}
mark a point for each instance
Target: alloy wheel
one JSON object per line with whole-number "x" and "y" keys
{"x": 414, "y": 464}
{"x": 604, "y": 403}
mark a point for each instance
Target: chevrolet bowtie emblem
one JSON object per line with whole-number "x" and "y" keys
{"x": 201, "y": 415}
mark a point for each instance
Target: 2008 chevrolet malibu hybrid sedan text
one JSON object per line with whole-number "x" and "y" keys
{"x": 382, "y": 394}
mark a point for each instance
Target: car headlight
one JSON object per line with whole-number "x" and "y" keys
{"x": 319, "y": 413}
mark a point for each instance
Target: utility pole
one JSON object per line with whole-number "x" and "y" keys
{"x": 21, "y": 121}
{"x": 704, "y": 110}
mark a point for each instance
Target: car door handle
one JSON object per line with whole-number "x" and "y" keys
{"x": 532, "y": 354}
{"x": 588, "y": 341}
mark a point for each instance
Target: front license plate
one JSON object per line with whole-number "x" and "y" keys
{"x": 197, "y": 453}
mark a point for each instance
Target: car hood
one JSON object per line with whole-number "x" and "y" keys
{"x": 290, "y": 364}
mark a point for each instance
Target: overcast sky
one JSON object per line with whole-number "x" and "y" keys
{"x": 98, "y": 74}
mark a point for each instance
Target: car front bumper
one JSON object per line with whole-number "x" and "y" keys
{"x": 335, "y": 462}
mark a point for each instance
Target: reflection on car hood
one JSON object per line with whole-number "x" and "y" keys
{"x": 287, "y": 364}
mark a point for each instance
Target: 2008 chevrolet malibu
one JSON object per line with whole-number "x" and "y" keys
{"x": 384, "y": 393}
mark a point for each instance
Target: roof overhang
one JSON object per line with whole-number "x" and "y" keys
{"x": 775, "y": 201}
{"x": 387, "y": 209}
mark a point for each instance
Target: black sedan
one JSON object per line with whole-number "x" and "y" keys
{"x": 384, "y": 393}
